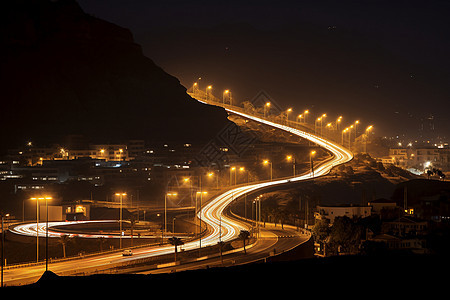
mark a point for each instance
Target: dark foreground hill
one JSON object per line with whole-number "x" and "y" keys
{"x": 334, "y": 275}
{"x": 65, "y": 72}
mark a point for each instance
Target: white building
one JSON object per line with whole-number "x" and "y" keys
{"x": 331, "y": 212}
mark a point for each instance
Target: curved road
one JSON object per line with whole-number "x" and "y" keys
{"x": 220, "y": 225}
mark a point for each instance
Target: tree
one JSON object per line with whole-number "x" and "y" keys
{"x": 321, "y": 232}
{"x": 63, "y": 240}
{"x": 244, "y": 235}
{"x": 345, "y": 234}
{"x": 176, "y": 242}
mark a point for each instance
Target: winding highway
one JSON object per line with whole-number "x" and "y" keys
{"x": 221, "y": 226}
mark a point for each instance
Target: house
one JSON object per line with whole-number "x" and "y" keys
{"x": 405, "y": 226}
{"x": 392, "y": 242}
{"x": 351, "y": 211}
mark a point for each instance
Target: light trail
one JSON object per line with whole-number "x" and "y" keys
{"x": 221, "y": 227}
{"x": 213, "y": 211}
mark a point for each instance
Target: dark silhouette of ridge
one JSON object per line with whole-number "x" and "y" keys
{"x": 66, "y": 72}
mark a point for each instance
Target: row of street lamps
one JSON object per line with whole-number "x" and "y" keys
{"x": 301, "y": 118}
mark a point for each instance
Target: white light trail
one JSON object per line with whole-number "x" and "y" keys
{"x": 212, "y": 212}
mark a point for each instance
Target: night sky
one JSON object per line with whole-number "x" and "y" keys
{"x": 412, "y": 33}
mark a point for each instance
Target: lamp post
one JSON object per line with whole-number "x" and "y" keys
{"x": 267, "y": 105}
{"x": 120, "y": 217}
{"x": 46, "y": 198}
{"x": 3, "y": 246}
{"x": 338, "y": 122}
{"x": 291, "y": 158}
{"x": 287, "y": 115}
{"x": 343, "y": 132}
{"x": 305, "y": 113}
{"x": 267, "y": 162}
{"x": 208, "y": 88}
{"x": 319, "y": 119}
{"x": 311, "y": 154}
{"x": 231, "y": 177}
{"x": 321, "y": 123}
{"x": 165, "y": 211}
{"x": 226, "y": 94}
{"x": 368, "y": 129}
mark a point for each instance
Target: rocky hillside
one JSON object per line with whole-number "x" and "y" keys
{"x": 65, "y": 72}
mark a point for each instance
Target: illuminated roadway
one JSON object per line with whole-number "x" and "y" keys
{"x": 220, "y": 225}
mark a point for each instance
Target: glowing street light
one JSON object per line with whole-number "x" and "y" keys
{"x": 287, "y": 115}
{"x": 291, "y": 158}
{"x": 311, "y": 154}
{"x": 120, "y": 217}
{"x": 165, "y": 210}
{"x": 226, "y": 94}
{"x": 231, "y": 177}
{"x": 338, "y": 122}
{"x": 267, "y": 162}
{"x": 46, "y": 198}
{"x": 266, "y": 108}
{"x": 368, "y": 129}
{"x": 208, "y": 88}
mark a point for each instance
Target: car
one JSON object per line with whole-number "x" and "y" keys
{"x": 127, "y": 252}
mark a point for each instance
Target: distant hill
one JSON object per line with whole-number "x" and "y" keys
{"x": 65, "y": 72}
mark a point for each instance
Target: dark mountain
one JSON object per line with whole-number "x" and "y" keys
{"x": 66, "y": 72}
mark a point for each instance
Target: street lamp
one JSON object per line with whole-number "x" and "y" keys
{"x": 343, "y": 132}
{"x": 3, "y": 246}
{"x": 321, "y": 123}
{"x": 120, "y": 217}
{"x": 311, "y": 154}
{"x": 208, "y": 88}
{"x": 231, "y": 177}
{"x": 368, "y": 129}
{"x": 319, "y": 119}
{"x": 291, "y": 158}
{"x": 226, "y": 94}
{"x": 338, "y": 122}
{"x": 267, "y": 105}
{"x": 46, "y": 198}
{"x": 165, "y": 211}
{"x": 287, "y": 115}
{"x": 306, "y": 112}
{"x": 267, "y": 162}
{"x": 211, "y": 174}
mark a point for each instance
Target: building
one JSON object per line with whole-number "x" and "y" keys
{"x": 35, "y": 156}
{"x": 352, "y": 211}
{"x": 416, "y": 245}
{"x": 420, "y": 158}
{"x": 379, "y": 205}
{"x": 405, "y": 226}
